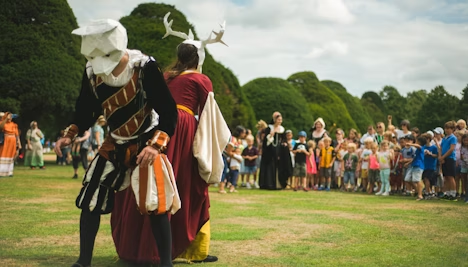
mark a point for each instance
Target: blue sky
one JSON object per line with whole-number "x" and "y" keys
{"x": 363, "y": 44}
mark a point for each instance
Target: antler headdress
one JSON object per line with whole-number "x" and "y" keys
{"x": 189, "y": 39}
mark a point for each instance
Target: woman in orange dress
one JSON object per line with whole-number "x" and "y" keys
{"x": 10, "y": 143}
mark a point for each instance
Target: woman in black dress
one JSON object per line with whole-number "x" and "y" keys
{"x": 275, "y": 166}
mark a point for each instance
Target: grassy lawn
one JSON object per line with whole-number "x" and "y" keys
{"x": 39, "y": 227}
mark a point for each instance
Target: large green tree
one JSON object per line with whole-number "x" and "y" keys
{"x": 414, "y": 102}
{"x": 145, "y": 31}
{"x": 268, "y": 95}
{"x": 462, "y": 109}
{"x": 40, "y": 62}
{"x": 375, "y": 107}
{"x": 439, "y": 107}
{"x": 321, "y": 100}
{"x": 353, "y": 105}
{"x": 394, "y": 103}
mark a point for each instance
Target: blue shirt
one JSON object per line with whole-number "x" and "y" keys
{"x": 446, "y": 143}
{"x": 430, "y": 163}
{"x": 418, "y": 160}
{"x": 408, "y": 152}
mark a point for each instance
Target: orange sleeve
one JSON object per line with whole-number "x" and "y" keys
{"x": 159, "y": 140}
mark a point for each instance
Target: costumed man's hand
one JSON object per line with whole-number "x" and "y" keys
{"x": 64, "y": 141}
{"x": 147, "y": 156}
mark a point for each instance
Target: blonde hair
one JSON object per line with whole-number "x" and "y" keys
{"x": 397, "y": 148}
{"x": 261, "y": 124}
{"x": 384, "y": 142}
{"x": 249, "y": 138}
{"x": 101, "y": 119}
{"x": 368, "y": 140}
{"x": 352, "y": 146}
{"x": 311, "y": 144}
{"x": 327, "y": 139}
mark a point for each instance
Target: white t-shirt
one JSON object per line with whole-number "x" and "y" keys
{"x": 400, "y": 134}
{"x": 365, "y": 154}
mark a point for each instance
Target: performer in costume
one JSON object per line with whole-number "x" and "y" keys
{"x": 10, "y": 143}
{"x": 275, "y": 166}
{"x": 193, "y": 94}
{"x": 128, "y": 88}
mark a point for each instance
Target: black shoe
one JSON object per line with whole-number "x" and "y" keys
{"x": 75, "y": 176}
{"x": 453, "y": 199}
{"x": 208, "y": 259}
{"x": 457, "y": 195}
{"x": 445, "y": 197}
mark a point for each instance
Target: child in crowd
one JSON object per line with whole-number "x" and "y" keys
{"x": 415, "y": 172}
{"x": 311, "y": 164}
{"x": 318, "y": 157}
{"x": 458, "y": 134}
{"x": 326, "y": 163}
{"x": 301, "y": 151}
{"x": 235, "y": 164}
{"x": 374, "y": 169}
{"x": 349, "y": 166}
{"x": 242, "y": 172}
{"x": 388, "y": 136}
{"x": 438, "y": 135}
{"x": 291, "y": 143}
{"x": 340, "y": 151}
{"x": 447, "y": 158}
{"x": 464, "y": 164}
{"x": 364, "y": 162}
{"x": 384, "y": 157}
{"x": 396, "y": 175}
{"x": 250, "y": 155}
{"x": 408, "y": 153}
{"x": 430, "y": 167}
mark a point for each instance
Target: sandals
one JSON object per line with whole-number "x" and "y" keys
{"x": 222, "y": 191}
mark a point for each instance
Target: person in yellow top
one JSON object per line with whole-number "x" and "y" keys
{"x": 326, "y": 162}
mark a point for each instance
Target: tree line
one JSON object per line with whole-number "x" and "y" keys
{"x": 41, "y": 69}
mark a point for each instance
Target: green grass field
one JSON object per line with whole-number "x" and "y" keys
{"x": 39, "y": 227}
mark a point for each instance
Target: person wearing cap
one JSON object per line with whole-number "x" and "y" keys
{"x": 438, "y": 135}
{"x": 10, "y": 143}
{"x": 127, "y": 87}
{"x": 301, "y": 151}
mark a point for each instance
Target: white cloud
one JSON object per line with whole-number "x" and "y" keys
{"x": 363, "y": 44}
{"x": 329, "y": 49}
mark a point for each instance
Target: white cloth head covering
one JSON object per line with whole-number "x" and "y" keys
{"x": 103, "y": 43}
{"x": 189, "y": 39}
{"x": 321, "y": 122}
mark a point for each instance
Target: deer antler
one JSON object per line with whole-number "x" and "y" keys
{"x": 219, "y": 36}
{"x": 169, "y": 30}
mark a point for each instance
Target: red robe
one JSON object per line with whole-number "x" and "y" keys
{"x": 131, "y": 231}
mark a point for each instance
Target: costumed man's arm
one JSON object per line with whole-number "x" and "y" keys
{"x": 87, "y": 110}
{"x": 160, "y": 99}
